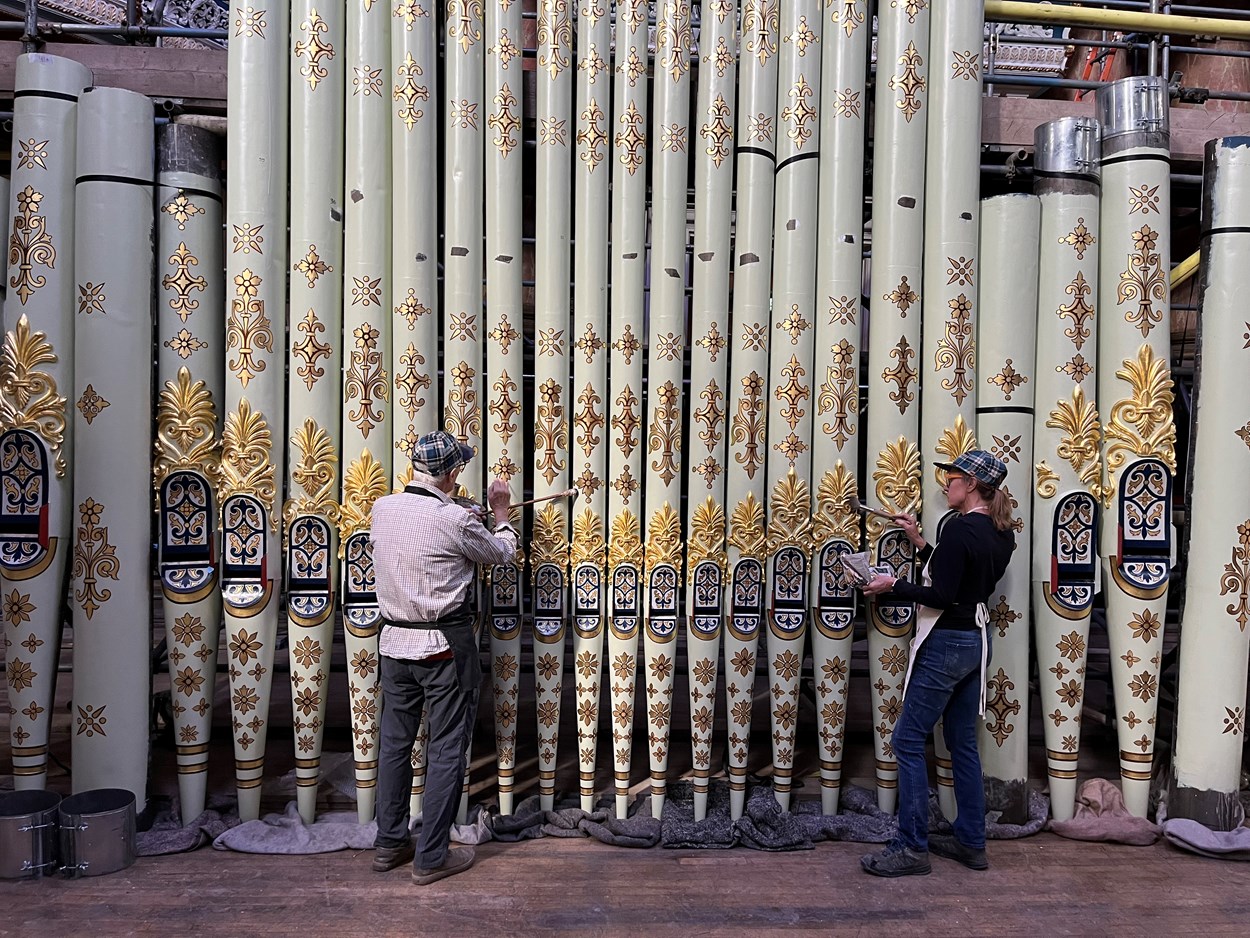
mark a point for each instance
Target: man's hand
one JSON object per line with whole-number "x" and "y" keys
{"x": 879, "y": 584}
{"x": 499, "y": 496}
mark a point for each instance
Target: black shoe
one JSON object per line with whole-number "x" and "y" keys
{"x": 945, "y": 845}
{"x": 387, "y": 858}
{"x": 458, "y": 860}
{"x": 896, "y": 861}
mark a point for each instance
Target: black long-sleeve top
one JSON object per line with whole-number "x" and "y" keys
{"x": 964, "y": 567}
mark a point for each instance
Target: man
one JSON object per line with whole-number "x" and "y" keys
{"x": 425, "y": 554}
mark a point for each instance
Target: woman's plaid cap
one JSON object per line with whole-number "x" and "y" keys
{"x": 982, "y": 466}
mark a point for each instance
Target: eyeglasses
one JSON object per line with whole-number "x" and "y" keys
{"x": 952, "y": 477}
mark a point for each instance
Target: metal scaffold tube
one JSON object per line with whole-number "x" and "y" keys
{"x": 1012, "y": 11}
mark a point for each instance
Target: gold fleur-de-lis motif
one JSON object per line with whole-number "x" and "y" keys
{"x": 848, "y": 14}
{"x": 711, "y": 415}
{"x": 90, "y": 403}
{"x": 408, "y": 92}
{"x": 409, "y": 11}
{"x": 366, "y": 380}
{"x": 626, "y": 421}
{"x": 364, "y": 483}
{"x": 1144, "y": 280}
{"x": 910, "y": 83}
{"x": 665, "y": 433}
{"x": 463, "y": 414}
{"x": 717, "y": 131}
{"x": 1000, "y": 707}
{"x": 182, "y": 282}
{"x": 833, "y": 517}
{"x": 902, "y": 374}
{"x": 464, "y": 22}
{"x": 314, "y": 49}
{"x": 30, "y": 245}
{"x": 186, "y": 430}
{"x": 800, "y": 113}
{"x": 896, "y": 481}
{"x": 1079, "y": 311}
{"x": 410, "y": 381}
{"x": 631, "y": 140}
{"x": 411, "y": 308}
{"x": 1077, "y": 420}
{"x": 551, "y": 430}
{"x": 504, "y": 122}
{"x": 246, "y": 467}
{"x": 313, "y": 471}
{"x": 28, "y": 396}
{"x": 309, "y": 349}
{"x": 1141, "y": 424}
{"x": 504, "y": 407}
{"x": 555, "y": 36}
{"x": 248, "y": 328}
{"x": 505, "y": 48}
{"x": 588, "y": 419}
{"x": 839, "y": 394}
{"x": 955, "y": 350}
{"x": 1236, "y": 579}
{"x": 1079, "y": 239}
{"x": 1007, "y": 380}
{"x": 94, "y": 558}
{"x": 761, "y": 21}
{"x": 748, "y": 425}
{"x": 672, "y": 39}
{"x": 953, "y": 443}
{"x": 181, "y": 210}
{"x": 591, "y": 136}
{"x": 965, "y": 65}
{"x": 903, "y": 297}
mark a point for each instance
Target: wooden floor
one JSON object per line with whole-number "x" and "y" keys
{"x": 1042, "y": 885}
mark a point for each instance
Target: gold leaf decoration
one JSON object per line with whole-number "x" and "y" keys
{"x": 1141, "y": 425}
{"x": 953, "y": 443}
{"x": 313, "y": 471}
{"x": 1077, "y": 420}
{"x": 839, "y": 394}
{"x": 707, "y": 535}
{"x": 246, "y": 467}
{"x": 28, "y": 396}
{"x": 834, "y": 517}
{"x": 790, "y": 515}
{"x": 665, "y": 434}
{"x": 1145, "y": 281}
{"x": 186, "y": 430}
{"x": 625, "y": 546}
{"x": 664, "y": 538}
{"x": 588, "y": 543}
{"x": 364, "y": 483}
{"x": 1047, "y": 480}
{"x": 30, "y": 245}
{"x": 94, "y": 558}
{"x": 550, "y": 543}
{"x": 897, "y": 482}
{"x": 746, "y": 528}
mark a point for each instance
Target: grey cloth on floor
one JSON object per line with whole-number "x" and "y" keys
{"x": 568, "y": 819}
{"x": 1102, "y": 816}
{"x": 1197, "y": 838}
{"x": 168, "y": 835}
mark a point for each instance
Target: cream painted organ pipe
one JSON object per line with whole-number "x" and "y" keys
{"x": 1067, "y": 466}
{"x": 190, "y": 319}
{"x": 111, "y": 594}
{"x": 36, "y": 441}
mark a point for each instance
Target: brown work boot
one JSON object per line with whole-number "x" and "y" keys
{"x": 458, "y": 860}
{"x": 387, "y": 858}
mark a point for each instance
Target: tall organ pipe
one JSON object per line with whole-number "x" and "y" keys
{"x": 1067, "y": 465}
{"x": 187, "y": 459}
{"x": 1135, "y": 394}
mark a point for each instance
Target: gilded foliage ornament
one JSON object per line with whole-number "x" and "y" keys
{"x": 313, "y": 471}
{"x": 246, "y": 468}
{"x": 248, "y": 328}
{"x": 834, "y": 517}
{"x": 1077, "y": 420}
{"x": 550, "y": 543}
{"x": 551, "y": 430}
{"x": 1046, "y": 480}
{"x": 953, "y": 443}
{"x": 664, "y": 436}
{"x": 28, "y": 396}
{"x": 956, "y": 349}
{"x": 1141, "y": 424}
{"x": 364, "y": 483}
{"x": 462, "y": 416}
{"x": 589, "y": 546}
{"x": 366, "y": 380}
{"x": 748, "y": 425}
{"x": 625, "y": 546}
{"x": 790, "y": 515}
{"x": 707, "y": 536}
{"x": 186, "y": 430}
{"x": 897, "y": 481}
{"x": 664, "y": 538}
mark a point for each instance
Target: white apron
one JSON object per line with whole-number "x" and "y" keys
{"x": 926, "y": 618}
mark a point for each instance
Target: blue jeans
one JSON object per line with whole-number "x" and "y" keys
{"x": 945, "y": 682}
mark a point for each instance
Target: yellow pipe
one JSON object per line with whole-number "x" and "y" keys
{"x": 1012, "y": 11}
{"x": 1185, "y": 269}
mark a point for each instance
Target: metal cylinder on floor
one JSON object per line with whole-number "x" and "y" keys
{"x": 114, "y": 216}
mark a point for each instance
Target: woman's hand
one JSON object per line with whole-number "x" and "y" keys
{"x": 911, "y": 527}
{"x": 879, "y": 584}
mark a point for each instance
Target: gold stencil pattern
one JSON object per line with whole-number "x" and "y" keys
{"x": 182, "y": 282}
{"x": 309, "y": 349}
{"x": 504, "y": 122}
{"x": 90, "y": 403}
{"x": 748, "y": 425}
{"x": 28, "y": 396}
{"x": 848, "y": 14}
{"x": 955, "y": 350}
{"x": 555, "y": 36}
{"x": 1143, "y": 280}
{"x": 909, "y": 83}
{"x": 1079, "y": 311}
{"x": 30, "y": 245}
{"x": 591, "y": 136}
{"x": 672, "y": 39}
{"x": 1236, "y": 577}
{"x": 800, "y": 113}
{"x": 665, "y": 434}
{"x": 408, "y": 93}
{"x": 312, "y": 266}
{"x": 1079, "y": 239}
{"x": 551, "y": 430}
{"x": 588, "y": 420}
{"x": 464, "y": 19}
{"x": 248, "y": 328}
{"x": 761, "y": 21}
{"x": 839, "y": 394}
{"x": 718, "y": 131}
{"x": 631, "y": 140}
{"x": 181, "y": 210}
{"x": 463, "y": 415}
{"x": 902, "y": 374}
{"x": 94, "y": 558}
{"x": 314, "y": 49}
{"x": 504, "y": 407}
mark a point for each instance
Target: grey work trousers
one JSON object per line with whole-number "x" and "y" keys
{"x": 447, "y": 690}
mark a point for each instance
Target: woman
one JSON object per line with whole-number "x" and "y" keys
{"x": 946, "y": 673}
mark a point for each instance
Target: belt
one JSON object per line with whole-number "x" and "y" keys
{"x": 459, "y": 617}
